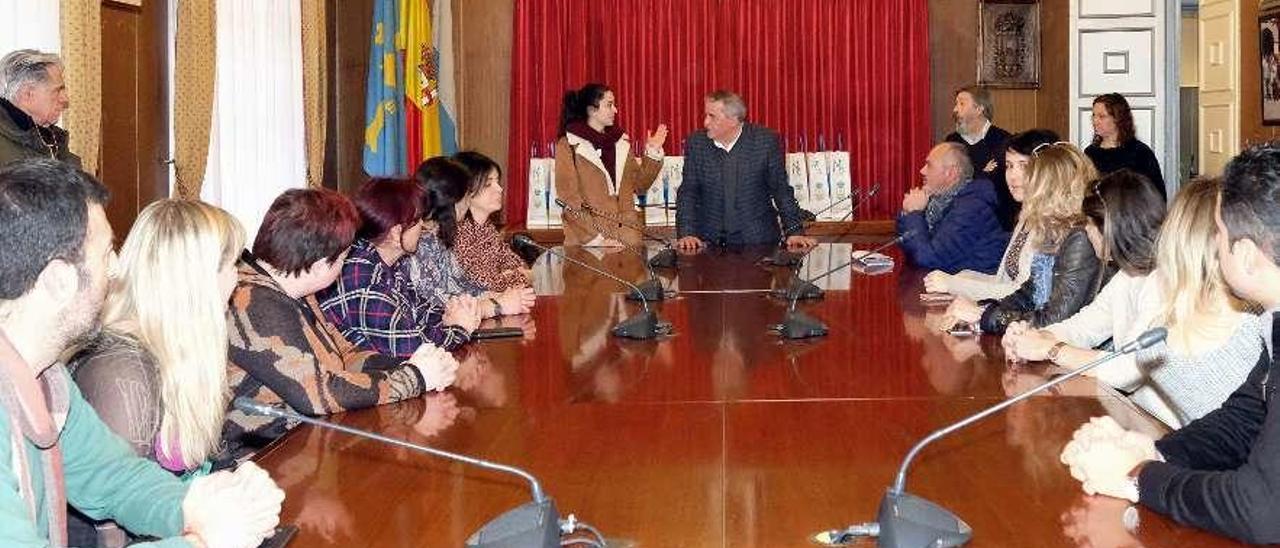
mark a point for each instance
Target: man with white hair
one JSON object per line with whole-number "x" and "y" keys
{"x": 735, "y": 189}
{"x": 33, "y": 97}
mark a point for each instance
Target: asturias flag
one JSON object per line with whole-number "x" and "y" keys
{"x": 384, "y": 132}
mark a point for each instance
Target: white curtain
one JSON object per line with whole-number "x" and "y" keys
{"x": 257, "y": 143}
{"x": 29, "y": 24}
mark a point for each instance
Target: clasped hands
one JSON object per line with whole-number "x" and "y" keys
{"x": 1102, "y": 455}
{"x": 228, "y": 509}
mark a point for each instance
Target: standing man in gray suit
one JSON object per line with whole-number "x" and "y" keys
{"x": 735, "y": 189}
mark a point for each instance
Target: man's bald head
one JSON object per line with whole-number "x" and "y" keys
{"x": 947, "y": 164}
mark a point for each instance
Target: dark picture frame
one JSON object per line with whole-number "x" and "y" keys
{"x": 1269, "y": 64}
{"x": 1009, "y": 43}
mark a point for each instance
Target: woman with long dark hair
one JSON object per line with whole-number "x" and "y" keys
{"x": 436, "y": 273}
{"x": 1115, "y": 142}
{"x": 480, "y": 248}
{"x": 595, "y": 168}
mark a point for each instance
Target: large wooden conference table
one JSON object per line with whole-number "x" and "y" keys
{"x": 720, "y": 434}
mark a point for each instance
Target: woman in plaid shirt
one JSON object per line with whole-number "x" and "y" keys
{"x": 373, "y": 302}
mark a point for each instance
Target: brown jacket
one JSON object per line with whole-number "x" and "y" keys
{"x": 581, "y": 177}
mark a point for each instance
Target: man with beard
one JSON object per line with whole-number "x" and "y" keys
{"x": 55, "y": 260}
{"x": 985, "y": 142}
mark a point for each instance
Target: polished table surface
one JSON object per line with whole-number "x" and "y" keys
{"x": 720, "y": 434}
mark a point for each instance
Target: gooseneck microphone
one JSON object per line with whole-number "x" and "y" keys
{"x": 907, "y": 520}
{"x": 650, "y": 289}
{"x": 798, "y": 325}
{"x": 645, "y": 325}
{"x": 535, "y": 523}
{"x": 664, "y": 259}
{"x": 782, "y": 257}
{"x": 805, "y": 289}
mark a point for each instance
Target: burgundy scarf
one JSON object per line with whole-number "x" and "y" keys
{"x": 604, "y": 142}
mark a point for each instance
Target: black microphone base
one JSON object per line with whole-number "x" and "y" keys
{"x": 651, "y": 289}
{"x": 644, "y": 325}
{"x": 910, "y": 521}
{"x": 799, "y": 290}
{"x": 531, "y": 525}
{"x": 798, "y": 325}
{"x": 664, "y": 259}
{"x": 782, "y": 257}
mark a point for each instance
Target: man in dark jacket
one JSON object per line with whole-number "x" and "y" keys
{"x": 1221, "y": 472}
{"x": 32, "y": 98}
{"x": 735, "y": 188}
{"x": 985, "y": 143}
{"x": 950, "y": 223}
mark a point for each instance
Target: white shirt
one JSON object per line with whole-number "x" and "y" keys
{"x": 973, "y": 139}
{"x": 729, "y": 146}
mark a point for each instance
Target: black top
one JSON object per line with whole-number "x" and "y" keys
{"x": 1134, "y": 155}
{"x": 981, "y": 153}
{"x": 1222, "y": 472}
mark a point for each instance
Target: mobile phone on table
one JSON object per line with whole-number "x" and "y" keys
{"x": 497, "y": 333}
{"x": 936, "y": 298}
{"x": 962, "y": 329}
{"x": 282, "y": 536}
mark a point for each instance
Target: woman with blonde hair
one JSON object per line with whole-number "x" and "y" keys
{"x": 156, "y": 374}
{"x": 1065, "y": 272}
{"x": 1015, "y": 266}
{"x": 1213, "y": 339}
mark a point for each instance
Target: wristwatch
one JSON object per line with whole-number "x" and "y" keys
{"x": 497, "y": 308}
{"x": 1053, "y": 352}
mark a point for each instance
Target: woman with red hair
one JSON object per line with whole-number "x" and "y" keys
{"x": 283, "y": 350}
{"x": 373, "y": 301}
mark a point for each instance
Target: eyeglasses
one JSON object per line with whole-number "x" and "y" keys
{"x": 1042, "y": 146}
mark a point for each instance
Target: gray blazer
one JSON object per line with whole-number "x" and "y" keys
{"x": 744, "y": 209}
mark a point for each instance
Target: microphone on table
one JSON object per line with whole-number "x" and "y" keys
{"x": 798, "y": 325}
{"x": 645, "y": 325}
{"x": 782, "y": 257}
{"x": 533, "y": 524}
{"x": 650, "y": 289}
{"x": 806, "y": 289}
{"x": 907, "y": 520}
{"x": 666, "y": 258}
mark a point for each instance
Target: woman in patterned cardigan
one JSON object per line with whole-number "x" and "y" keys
{"x": 283, "y": 350}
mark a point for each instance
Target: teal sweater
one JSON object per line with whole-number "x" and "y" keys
{"x": 104, "y": 480}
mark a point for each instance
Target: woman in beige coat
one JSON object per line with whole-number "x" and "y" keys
{"x": 595, "y": 166}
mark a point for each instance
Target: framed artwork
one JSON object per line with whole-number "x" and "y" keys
{"x": 1269, "y": 49}
{"x": 1009, "y": 43}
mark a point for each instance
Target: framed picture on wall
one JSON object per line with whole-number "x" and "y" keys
{"x": 1009, "y": 43}
{"x": 1269, "y": 50}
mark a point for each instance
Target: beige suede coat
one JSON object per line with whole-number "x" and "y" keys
{"x": 581, "y": 177}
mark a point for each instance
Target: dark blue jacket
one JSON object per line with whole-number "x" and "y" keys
{"x": 967, "y": 237}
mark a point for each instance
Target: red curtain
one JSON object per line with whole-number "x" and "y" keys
{"x": 826, "y": 74}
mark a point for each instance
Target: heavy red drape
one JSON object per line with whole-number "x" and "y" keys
{"x": 826, "y": 74}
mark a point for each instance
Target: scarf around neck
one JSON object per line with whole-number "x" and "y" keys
{"x": 602, "y": 141}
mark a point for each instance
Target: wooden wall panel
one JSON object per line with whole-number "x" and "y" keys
{"x": 135, "y": 135}
{"x": 482, "y": 33}
{"x": 1053, "y": 97}
{"x": 953, "y": 52}
{"x": 349, "y": 24}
